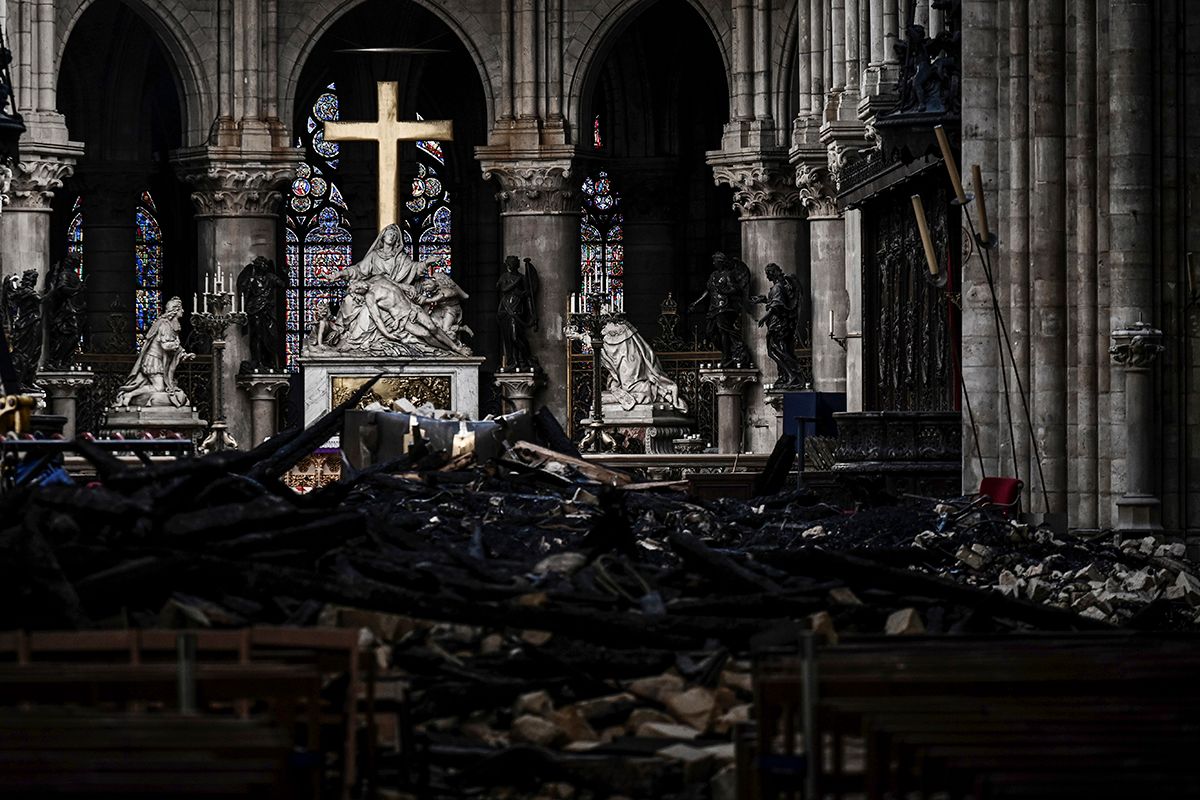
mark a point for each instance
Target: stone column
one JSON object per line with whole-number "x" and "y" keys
{"x": 517, "y": 389}
{"x": 730, "y": 385}
{"x": 237, "y": 216}
{"x": 540, "y": 217}
{"x": 264, "y": 390}
{"x": 773, "y": 230}
{"x": 1136, "y": 347}
{"x": 1048, "y": 334}
{"x": 1132, "y": 211}
{"x": 879, "y": 79}
{"x": 26, "y": 214}
{"x": 62, "y": 391}
{"x": 827, "y": 268}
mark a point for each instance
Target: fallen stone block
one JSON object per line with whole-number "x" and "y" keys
{"x": 535, "y": 730}
{"x": 665, "y": 730}
{"x": 904, "y": 622}
{"x": 693, "y": 707}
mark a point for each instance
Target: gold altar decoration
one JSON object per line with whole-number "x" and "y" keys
{"x": 419, "y": 389}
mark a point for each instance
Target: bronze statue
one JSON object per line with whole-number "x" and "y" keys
{"x": 782, "y": 302}
{"x": 65, "y": 307}
{"x": 23, "y": 317}
{"x": 260, "y": 285}
{"x": 726, "y": 295}
{"x": 517, "y": 314}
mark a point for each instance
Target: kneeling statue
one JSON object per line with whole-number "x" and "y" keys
{"x": 152, "y": 381}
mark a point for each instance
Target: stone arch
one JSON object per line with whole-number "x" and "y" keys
{"x": 586, "y": 51}
{"x": 195, "y": 85}
{"x": 298, "y": 47}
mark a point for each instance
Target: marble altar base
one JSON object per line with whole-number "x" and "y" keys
{"x": 448, "y": 382}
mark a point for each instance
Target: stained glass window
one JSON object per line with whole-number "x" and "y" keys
{"x": 601, "y": 248}
{"x": 317, "y": 232}
{"x": 427, "y": 223}
{"x": 75, "y": 232}
{"x": 597, "y": 141}
{"x": 148, "y": 253}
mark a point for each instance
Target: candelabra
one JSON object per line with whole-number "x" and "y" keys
{"x": 213, "y": 317}
{"x": 590, "y": 312}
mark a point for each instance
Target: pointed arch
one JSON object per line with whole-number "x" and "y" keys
{"x": 183, "y": 38}
{"x": 586, "y": 52}
{"x": 479, "y": 42}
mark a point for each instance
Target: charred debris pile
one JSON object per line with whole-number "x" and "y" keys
{"x": 537, "y": 608}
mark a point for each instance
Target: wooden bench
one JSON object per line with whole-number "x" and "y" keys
{"x": 236, "y": 671}
{"x": 981, "y": 717}
{"x": 77, "y": 753}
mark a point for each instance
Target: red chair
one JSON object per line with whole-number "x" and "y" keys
{"x": 1003, "y": 494}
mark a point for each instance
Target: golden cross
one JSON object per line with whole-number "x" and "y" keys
{"x": 388, "y": 130}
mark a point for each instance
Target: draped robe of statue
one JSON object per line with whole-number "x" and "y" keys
{"x": 387, "y": 310}
{"x": 633, "y": 374}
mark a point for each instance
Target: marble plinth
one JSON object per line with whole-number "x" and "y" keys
{"x": 62, "y": 389}
{"x": 448, "y": 382}
{"x": 730, "y": 385}
{"x": 264, "y": 390}
{"x": 155, "y": 420}
{"x": 653, "y": 427}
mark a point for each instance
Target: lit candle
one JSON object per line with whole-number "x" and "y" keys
{"x": 981, "y": 204}
{"x": 951, "y": 165}
{"x": 926, "y": 239}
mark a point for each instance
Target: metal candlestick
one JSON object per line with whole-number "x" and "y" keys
{"x": 593, "y": 320}
{"x": 214, "y": 320}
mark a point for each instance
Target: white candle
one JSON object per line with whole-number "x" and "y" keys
{"x": 195, "y": 302}
{"x": 831, "y": 323}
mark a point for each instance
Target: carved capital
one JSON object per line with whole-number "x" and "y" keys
{"x": 816, "y": 190}
{"x": 533, "y": 187}
{"x": 34, "y": 180}
{"x": 66, "y": 383}
{"x": 1136, "y": 347}
{"x": 760, "y": 189}
{"x": 235, "y": 190}
{"x": 263, "y": 385}
{"x": 520, "y": 385}
{"x": 729, "y": 381}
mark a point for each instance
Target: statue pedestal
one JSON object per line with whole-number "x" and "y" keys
{"x": 518, "y": 387}
{"x": 264, "y": 390}
{"x": 62, "y": 390}
{"x": 730, "y": 385}
{"x": 448, "y": 382}
{"x": 655, "y": 427}
{"x": 159, "y": 421}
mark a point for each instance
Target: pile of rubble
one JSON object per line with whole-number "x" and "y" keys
{"x": 538, "y": 620}
{"x": 1140, "y": 582}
